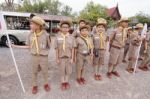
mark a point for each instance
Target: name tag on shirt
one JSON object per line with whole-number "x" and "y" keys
{"x": 96, "y": 37}
{"x": 118, "y": 34}
{"x": 85, "y": 52}
{"x": 60, "y": 39}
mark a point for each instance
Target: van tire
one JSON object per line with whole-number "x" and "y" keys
{"x": 12, "y": 39}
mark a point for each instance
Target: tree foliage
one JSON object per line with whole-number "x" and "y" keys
{"x": 141, "y": 18}
{"x": 94, "y": 11}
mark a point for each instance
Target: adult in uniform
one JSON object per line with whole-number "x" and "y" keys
{"x": 136, "y": 40}
{"x": 126, "y": 49}
{"x": 117, "y": 43}
{"x": 146, "y": 62}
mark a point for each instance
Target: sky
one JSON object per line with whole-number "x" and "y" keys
{"x": 127, "y": 8}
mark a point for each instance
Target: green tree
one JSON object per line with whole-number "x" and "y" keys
{"x": 53, "y": 6}
{"x": 93, "y": 11}
{"x": 66, "y": 10}
{"x": 141, "y": 18}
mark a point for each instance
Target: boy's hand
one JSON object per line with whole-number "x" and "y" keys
{"x": 11, "y": 45}
{"x": 91, "y": 56}
{"x": 57, "y": 61}
{"x": 145, "y": 51}
{"x": 71, "y": 61}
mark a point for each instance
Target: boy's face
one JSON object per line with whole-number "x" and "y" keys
{"x": 124, "y": 24}
{"x": 84, "y": 32}
{"x": 34, "y": 26}
{"x": 65, "y": 28}
{"x": 100, "y": 28}
{"x": 82, "y": 24}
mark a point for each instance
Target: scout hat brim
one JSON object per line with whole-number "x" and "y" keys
{"x": 38, "y": 20}
{"x": 104, "y": 24}
{"x": 140, "y": 25}
{"x": 101, "y": 21}
{"x": 129, "y": 28}
{"x": 66, "y": 22}
{"x": 85, "y": 27}
{"x": 123, "y": 20}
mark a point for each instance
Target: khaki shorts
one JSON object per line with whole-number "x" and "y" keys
{"x": 82, "y": 61}
{"x": 116, "y": 56}
{"x": 100, "y": 59}
{"x": 65, "y": 66}
{"x": 42, "y": 61}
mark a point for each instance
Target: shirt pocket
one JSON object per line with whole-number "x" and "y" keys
{"x": 60, "y": 41}
{"x": 118, "y": 36}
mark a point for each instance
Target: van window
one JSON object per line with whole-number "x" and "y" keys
{"x": 17, "y": 23}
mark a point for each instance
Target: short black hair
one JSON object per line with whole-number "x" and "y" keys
{"x": 82, "y": 20}
{"x": 32, "y": 15}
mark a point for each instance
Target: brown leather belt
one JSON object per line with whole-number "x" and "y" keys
{"x": 135, "y": 45}
{"x": 65, "y": 57}
{"x": 116, "y": 47}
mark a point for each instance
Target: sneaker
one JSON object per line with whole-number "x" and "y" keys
{"x": 47, "y": 87}
{"x": 34, "y": 89}
{"x": 115, "y": 73}
{"x": 63, "y": 86}
{"x": 109, "y": 75}
{"x": 83, "y": 80}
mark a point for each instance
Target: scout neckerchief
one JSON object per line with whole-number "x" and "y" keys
{"x": 35, "y": 41}
{"x": 101, "y": 40}
{"x": 64, "y": 41}
{"x": 123, "y": 33}
{"x": 87, "y": 41}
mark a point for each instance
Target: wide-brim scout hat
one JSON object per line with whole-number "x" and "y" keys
{"x": 123, "y": 19}
{"x": 85, "y": 27}
{"x": 139, "y": 25}
{"x": 38, "y": 20}
{"x": 101, "y": 21}
{"x": 68, "y": 22}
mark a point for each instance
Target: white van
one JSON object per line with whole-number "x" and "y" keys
{"x": 16, "y": 24}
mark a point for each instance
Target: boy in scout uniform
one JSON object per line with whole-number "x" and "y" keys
{"x": 84, "y": 51}
{"x": 126, "y": 49}
{"x": 39, "y": 44}
{"x": 135, "y": 43}
{"x": 99, "y": 42}
{"x": 146, "y": 62}
{"x": 64, "y": 46}
{"x": 76, "y": 33}
{"x": 117, "y": 43}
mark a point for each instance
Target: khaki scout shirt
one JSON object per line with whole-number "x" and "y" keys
{"x": 148, "y": 38}
{"x": 128, "y": 41}
{"x": 81, "y": 45}
{"x": 135, "y": 39}
{"x": 116, "y": 38}
{"x": 43, "y": 43}
{"x": 70, "y": 44}
{"x": 97, "y": 41}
